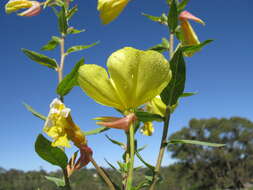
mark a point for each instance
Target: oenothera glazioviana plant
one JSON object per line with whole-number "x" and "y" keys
{"x": 142, "y": 85}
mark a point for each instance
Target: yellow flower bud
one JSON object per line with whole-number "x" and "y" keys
{"x": 110, "y": 9}
{"x": 33, "y": 7}
{"x": 147, "y": 129}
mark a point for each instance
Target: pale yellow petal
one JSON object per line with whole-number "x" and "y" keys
{"x": 138, "y": 75}
{"x": 94, "y": 80}
{"x": 62, "y": 141}
{"x": 110, "y": 9}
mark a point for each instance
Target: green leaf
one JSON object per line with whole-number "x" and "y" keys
{"x": 112, "y": 166}
{"x": 122, "y": 145}
{"x": 96, "y": 131}
{"x": 173, "y": 16}
{"x": 69, "y": 81}
{"x": 162, "y": 47}
{"x": 188, "y": 94}
{"x": 160, "y": 19}
{"x": 176, "y": 86}
{"x": 72, "y": 30}
{"x": 35, "y": 113}
{"x": 181, "y": 6}
{"x": 40, "y": 58}
{"x": 196, "y": 143}
{"x": 53, "y": 155}
{"x": 71, "y": 12}
{"x": 123, "y": 167}
{"x": 52, "y": 44}
{"x": 144, "y": 162}
{"x": 195, "y": 48}
{"x": 146, "y": 116}
{"x": 59, "y": 182}
{"x": 80, "y": 48}
{"x": 62, "y": 21}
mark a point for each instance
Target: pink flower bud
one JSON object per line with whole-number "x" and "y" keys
{"x": 34, "y": 10}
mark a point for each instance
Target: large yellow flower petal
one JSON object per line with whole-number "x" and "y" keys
{"x": 110, "y": 9}
{"x": 135, "y": 78}
{"x": 94, "y": 80}
{"x": 138, "y": 75}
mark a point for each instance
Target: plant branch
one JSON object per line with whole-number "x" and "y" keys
{"x": 103, "y": 174}
{"x": 66, "y": 179}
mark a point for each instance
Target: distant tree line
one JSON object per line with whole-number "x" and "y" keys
{"x": 196, "y": 167}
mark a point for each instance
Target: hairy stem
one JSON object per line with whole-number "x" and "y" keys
{"x": 103, "y": 174}
{"x": 171, "y": 48}
{"x": 61, "y": 66}
{"x": 130, "y": 162}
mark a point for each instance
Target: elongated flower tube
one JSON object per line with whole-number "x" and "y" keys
{"x": 135, "y": 78}
{"x": 33, "y": 7}
{"x": 188, "y": 33}
{"x": 60, "y": 126}
{"x": 110, "y": 9}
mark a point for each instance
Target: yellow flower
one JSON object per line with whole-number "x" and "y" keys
{"x": 157, "y": 106}
{"x": 188, "y": 34}
{"x": 110, "y": 9}
{"x": 15, "y": 5}
{"x": 147, "y": 129}
{"x": 60, "y": 126}
{"x": 135, "y": 78}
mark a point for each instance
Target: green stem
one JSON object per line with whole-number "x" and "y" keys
{"x": 61, "y": 67}
{"x": 66, "y": 179}
{"x": 102, "y": 174}
{"x": 130, "y": 162}
{"x": 163, "y": 144}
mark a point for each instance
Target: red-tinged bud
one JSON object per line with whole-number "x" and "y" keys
{"x": 32, "y": 11}
{"x": 117, "y": 122}
{"x": 185, "y": 15}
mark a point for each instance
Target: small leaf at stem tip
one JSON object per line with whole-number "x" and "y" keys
{"x": 96, "y": 131}
{"x": 58, "y": 181}
{"x": 71, "y": 12}
{"x": 173, "y": 16}
{"x": 62, "y": 21}
{"x": 181, "y": 6}
{"x": 52, "y": 44}
{"x": 160, "y": 19}
{"x": 80, "y": 47}
{"x": 122, "y": 145}
{"x": 162, "y": 47}
{"x": 40, "y": 58}
{"x": 195, "y": 142}
{"x": 70, "y": 80}
{"x": 35, "y": 113}
{"x": 53, "y": 155}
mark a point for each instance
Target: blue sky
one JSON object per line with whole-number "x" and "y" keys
{"x": 221, "y": 73}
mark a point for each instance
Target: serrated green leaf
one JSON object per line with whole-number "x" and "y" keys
{"x": 195, "y": 48}
{"x": 122, "y": 145}
{"x": 176, "y": 86}
{"x": 173, "y": 16}
{"x": 80, "y": 48}
{"x": 96, "y": 131}
{"x": 69, "y": 81}
{"x": 72, "y": 30}
{"x": 52, "y": 44}
{"x": 59, "y": 182}
{"x": 40, "y": 58}
{"x": 53, "y": 155}
{"x": 196, "y": 143}
{"x": 35, "y": 113}
{"x": 188, "y": 94}
{"x": 146, "y": 116}
{"x": 181, "y": 6}
{"x": 62, "y": 21}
